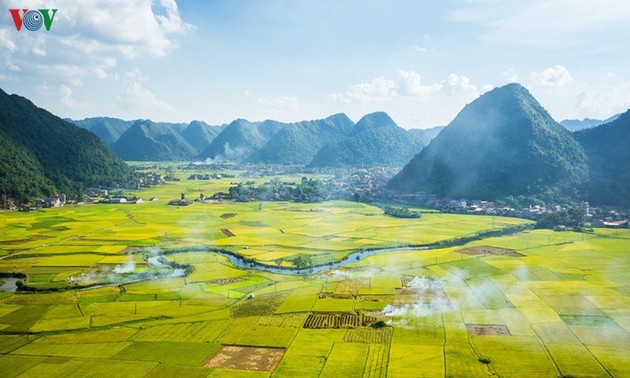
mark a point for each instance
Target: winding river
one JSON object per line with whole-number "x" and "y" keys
{"x": 249, "y": 264}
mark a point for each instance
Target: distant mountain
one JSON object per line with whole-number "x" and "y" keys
{"x": 298, "y": 143}
{"x": 41, "y": 154}
{"x": 608, "y": 150}
{"x": 149, "y": 141}
{"x": 106, "y": 128}
{"x": 425, "y": 136}
{"x": 200, "y": 135}
{"x": 240, "y": 139}
{"x": 503, "y": 143}
{"x": 576, "y": 124}
{"x": 375, "y": 140}
{"x": 177, "y": 126}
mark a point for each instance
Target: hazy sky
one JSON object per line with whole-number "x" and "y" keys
{"x": 291, "y": 60}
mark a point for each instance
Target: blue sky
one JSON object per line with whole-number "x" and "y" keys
{"x": 291, "y": 60}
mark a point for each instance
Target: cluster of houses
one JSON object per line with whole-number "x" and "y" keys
{"x": 56, "y": 200}
{"x": 613, "y": 219}
{"x": 533, "y": 212}
{"x": 216, "y": 176}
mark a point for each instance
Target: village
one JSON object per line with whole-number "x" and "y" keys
{"x": 358, "y": 185}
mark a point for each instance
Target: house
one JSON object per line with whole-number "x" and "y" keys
{"x": 615, "y": 223}
{"x": 55, "y": 201}
{"x": 118, "y": 200}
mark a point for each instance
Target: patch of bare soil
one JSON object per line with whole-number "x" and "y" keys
{"x": 245, "y": 358}
{"x": 487, "y": 250}
{"x": 487, "y": 330}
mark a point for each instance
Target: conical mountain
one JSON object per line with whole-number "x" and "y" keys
{"x": 608, "y": 150}
{"x": 40, "y": 153}
{"x": 149, "y": 141}
{"x": 375, "y": 140}
{"x": 503, "y": 143}
{"x": 298, "y": 143}
{"x": 200, "y": 135}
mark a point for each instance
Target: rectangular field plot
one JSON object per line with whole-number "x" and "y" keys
{"x": 246, "y": 358}
{"x": 369, "y": 335}
{"x": 103, "y": 351}
{"x": 245, "y": 331}
{"x": 489, "y": 251}
{"x": 489, "y": 294}
{"x": 487, "y": 330}
{"x": 345, "y": 360}
{"x": 575, "y": 360}
{"x": 588, "y": 320}
{"x": 260, "y": 305}
{"x": 338, "y": 320}
{"x": 200, "y": 332}
{"x": 189, "y": 354}
{"x": 515, "y": 356}
{"x": 416, "y": 361}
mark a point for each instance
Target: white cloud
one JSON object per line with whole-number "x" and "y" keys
{"x": 6, "y": 42}
{"x": 139, "y": 98}
{"x": 65, "y": 97}
{"x": 603, "y": 104}
{"x": 381, "y": 89}
{"x": 87, "y": 33}
{"x": 377, "y": 90}
{"x": 556, "y": 76}
{"x": 410, "y": 84}
{"x": 461, "y": 84}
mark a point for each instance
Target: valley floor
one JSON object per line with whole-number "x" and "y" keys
{"x": 534, "y": 304}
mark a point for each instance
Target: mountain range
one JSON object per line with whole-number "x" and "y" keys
{"x": 41, "y": 154}
{"x": 504, "y": 143}
{"x": 332, "y": 141}
{"x": 298, "y": 143}
{"x": 586, "y": 123}
{"x": 375, "y": 140}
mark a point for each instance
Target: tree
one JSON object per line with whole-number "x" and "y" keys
{"x": 302, "y": 262}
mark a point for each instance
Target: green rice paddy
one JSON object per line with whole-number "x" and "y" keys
{"x": 557, "y": 305}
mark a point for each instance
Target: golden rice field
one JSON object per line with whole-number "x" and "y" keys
{"x": 534, "y": 304}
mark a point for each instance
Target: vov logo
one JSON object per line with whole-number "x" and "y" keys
{"x": 33, "y": 19}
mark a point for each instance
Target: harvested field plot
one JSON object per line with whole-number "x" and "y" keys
{"x": 489, "y": 251}
{"x": 260, "y": 305}
{"x": 286, "y": 320}
{"x": 320, "y": 321}
{"x": 369, "y": 335}
{"x": 227, "y": 281}
{"x": 352, "y": 287}
{"x": 487, "y": 330}
{"x": 246, "y": 358}
{"x": 338, "y": 320}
